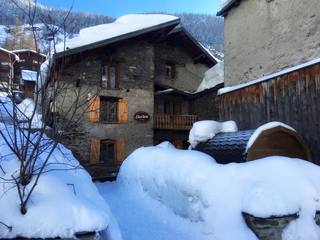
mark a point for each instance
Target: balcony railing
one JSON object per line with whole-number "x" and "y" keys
{"x": 174, "y": 122}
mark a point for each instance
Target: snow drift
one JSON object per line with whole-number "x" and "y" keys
{"x": 64, "y": 202}
{"x": 195, "y": 187}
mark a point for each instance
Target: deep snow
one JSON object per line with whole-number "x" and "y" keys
{"x": 165, "y": 193}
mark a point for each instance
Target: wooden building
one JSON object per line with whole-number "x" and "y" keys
{"x": 7, "y": 62}
{"x": 122, "y": 75}
{"x": 249, "y": 145}
{"x": 272, "y": 71}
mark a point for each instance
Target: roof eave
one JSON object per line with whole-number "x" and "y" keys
{"x": 224, "y": 11}
{"x": 102, "y": 43}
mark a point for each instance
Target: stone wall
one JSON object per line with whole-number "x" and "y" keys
{"x": 136, "y": 86}
{"x": 265, "y": 36}
{"x": 188, "y": 74}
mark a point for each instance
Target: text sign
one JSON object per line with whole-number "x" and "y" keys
{"x": 142, "y": 117}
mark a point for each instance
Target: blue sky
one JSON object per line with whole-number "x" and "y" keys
{"x": 117, "y": 8}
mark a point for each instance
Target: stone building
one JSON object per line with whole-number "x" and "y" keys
{"x": 121, "y": 72}
{"x": 272, "y": 65}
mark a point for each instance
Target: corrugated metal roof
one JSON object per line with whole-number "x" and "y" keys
{"x": 227, "y": 147}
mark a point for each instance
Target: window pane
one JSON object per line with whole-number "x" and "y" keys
{"x": 103, "y": 110}
{"x": 112, "y": 113}
{"x": 112, "y": 82}
{"x": 104, "y": 79}
{"x": 107, "y": 152}
{"x": 111, "y": 153}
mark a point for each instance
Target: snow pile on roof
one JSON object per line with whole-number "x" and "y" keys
{"x": 225, "y": 3}
{"x": 263, "y": 128}
{"x": 123, "y": 25}
{"x": 194, "y": 187}
{"x": 64, "y": 202}
{"x": 9, "y": 53}
{"x": 202, "y": 131}
{"x": 28, "y": 75}
{"x": 212, "y": 77}
{"x": 27, "y": 111}
{"x": 28, "y": 50}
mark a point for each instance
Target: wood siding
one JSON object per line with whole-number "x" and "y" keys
{"x": 292, "y": 99}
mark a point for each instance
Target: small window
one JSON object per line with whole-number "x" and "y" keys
{"x": 108, "y": 110}
{"x": 110, "y": 76}
{"x": 172, "y": 108}
{"x": 170, "y": 70}
{"x": 107, "y": 152}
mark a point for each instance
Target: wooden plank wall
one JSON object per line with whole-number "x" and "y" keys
{"x": 293, "y": 99}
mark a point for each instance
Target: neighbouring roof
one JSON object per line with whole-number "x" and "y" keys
{"x": 28, "y": 75}
{"x": 268, "y": 77}
{"x": 227, "y": 5}
{"x": 227, "y": 147}
{"x": 10, "y": 52}
{"x": 213, "y": 77}
{"x": 28, "y": 50}
{"x": 125, "y": 27}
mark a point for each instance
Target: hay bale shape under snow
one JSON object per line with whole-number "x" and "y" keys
{"x": 271, "y": 139}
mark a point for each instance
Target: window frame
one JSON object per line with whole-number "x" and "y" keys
{"x": 107, "y": 162}
{"x": 171, "y": 71}
{"x": 106, "y": 71}
{"x": 108, "y": 100}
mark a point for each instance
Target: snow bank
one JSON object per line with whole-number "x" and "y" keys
{"x": 64, "y": 202}
{"x": 202, "y": 131}
{"x": 26, "y": 113}
{"x": 263, "y": 128}
{"x": 123, "y": 25}
{"x": 196, "y": 188}
{"x": 212, "y": 77}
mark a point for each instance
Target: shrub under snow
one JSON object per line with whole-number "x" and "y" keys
{"x": 64, "y": 202}
{"x": 195, "y": 187}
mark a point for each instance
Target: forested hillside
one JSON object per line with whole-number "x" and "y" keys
{"x": 208, "y": 29}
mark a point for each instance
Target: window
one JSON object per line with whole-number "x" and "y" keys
{"x": 110, "y": 76}
{"x": 107, "y": 151}
{"x": 170, "y": 70}
{"x": 172, "y": 108}
{"x": 107, "y": 110}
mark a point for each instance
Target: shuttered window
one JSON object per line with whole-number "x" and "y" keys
{"x": 107, "y": 110}
{"x": 107, "y": 152}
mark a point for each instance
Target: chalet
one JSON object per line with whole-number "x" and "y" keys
{"x": 272, "y": 65}
{"x": 26, "y": 69}
{"x": 7, "y": 61}
{"x": 139, "y": 71}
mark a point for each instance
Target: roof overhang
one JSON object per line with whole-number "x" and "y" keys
{"x": 168, "y": 26}
{"x": 224, "y": 11}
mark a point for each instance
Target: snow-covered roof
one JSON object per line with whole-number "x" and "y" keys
{"x": 226, "y": 5}
{"x": 128, "y": 24}
{"x": 268, "y": 77}
{"x": 212, "y": 77}
{"x": 28, "y": 50}
{"x": 9, "y": 52}
{"x": 28, "y": 75}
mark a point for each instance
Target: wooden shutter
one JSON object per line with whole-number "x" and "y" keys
{"x": 120, "y": 151}
{"x": 94, "y": 109}
{"x": 122, "y": 111}
{"x": 95, "y": 151}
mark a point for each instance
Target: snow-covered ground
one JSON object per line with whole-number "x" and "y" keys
{"x": 165, "y": 193}
{"x": 64, "y": 200}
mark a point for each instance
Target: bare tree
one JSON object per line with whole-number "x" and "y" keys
{"x": 61, "y": 106}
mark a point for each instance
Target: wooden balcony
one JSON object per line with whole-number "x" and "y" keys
{"x": 174, "y": 122}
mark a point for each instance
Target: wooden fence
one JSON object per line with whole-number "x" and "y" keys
{"x": 174, "y": 122}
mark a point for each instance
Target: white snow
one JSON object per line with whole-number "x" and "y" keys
{"x": 64, "y": 202}
{"x": 27, "y": 111}
{"x": 10, "y": 53}
{"x": 27, "y": 50}
{"x": 263, "y": 128}
{"x": 166, "y": 193}
{"x": 123, "y": 25}
{"x": 202, "y": 131}
{"x": 212, "y": 77}
{"x": 268, "y": 77}
{"x": 224, "y": 3}
{"x": 29, "y": 75}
